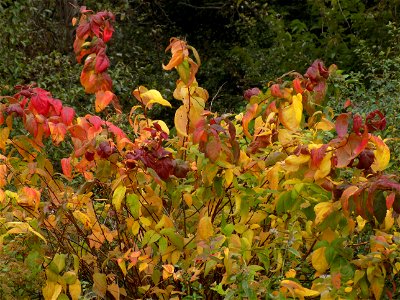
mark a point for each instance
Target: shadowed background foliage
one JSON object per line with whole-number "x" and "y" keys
{"x": 242, "y": 44}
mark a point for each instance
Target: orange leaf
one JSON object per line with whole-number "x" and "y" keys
{"x": 350, "y": 191}
{"x": 66, "y": 167}
{"x": 248, "y": 116}
{"x": 103, "y": 98}
{"x": 179, "y": 51}
{"x": 4, "y": 133}
{"x": 57, "y": 132}
{"x": 29, "y": 198}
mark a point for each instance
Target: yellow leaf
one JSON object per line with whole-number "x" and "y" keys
{"x": 113, "y": 288}
{"x": 153, "y": 96}
{"x": 83, "y": 218}
{"x": 318, "y": 260}
{"x": 188, "y": 199}
{"x": 389, "y": 220}
{"x": 181, "y": 121}
{"x": 75, "y": 290}
{"x": 21, "y": 227}
{"x": 290, "y": 116}
{"x": 325, "y": 167}
{"x": 169, "y": 268}
{"x": 175, "y": 256}
{"x": 291, "y": 273}
{"x": 228, "y": 177}
{"x": 2, "y": 196}
{"x": 382, "y": 154}
{"x": 298, "y": 290}
{"x": 122, "y": 265}
{"x": 322, "y": 210}
{"x": 195, "y": 107}
{"x": 51, "y": 291}
{"x": 118, "y": 196}
{"x": 205, "y": 229}
{"x": 348, "y": 289}
{"x": 293, "y": 162}
{"x": 135, "y": 228}
{"x": 324, "y": 125}
{"x": 4, "y": 132}
{"x": 143, "y": 266}
{"x": 360, "y": 223}
{"x": 163, "y": 126}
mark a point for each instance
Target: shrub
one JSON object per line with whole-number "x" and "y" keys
{"x": 275, "y": 202}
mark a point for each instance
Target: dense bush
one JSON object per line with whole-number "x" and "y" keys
{"x": 284, "y": 200}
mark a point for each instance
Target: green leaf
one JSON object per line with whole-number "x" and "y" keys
{"x": 58, "y": 263}
{"x": 379, "y": 207}
{"x": 133, "y": 203}
{"x": 174, "y": 238}
{"x": 285, "y": 202}
{"x": 70, "y": 277}
{"x": 62, "y": 297}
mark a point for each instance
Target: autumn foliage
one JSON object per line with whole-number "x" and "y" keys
{"x": 282, "y": 201}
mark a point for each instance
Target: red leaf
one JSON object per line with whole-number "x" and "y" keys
{"x": 363, "y": 143}
{"x": 347, "y": 103}
{"x": 107, "y": 32}
{"x": 251, "y": 92}
{"x": 200, "y": 134}
{"x": 317, "y": 155}
{"x": 357, "y": 123}
{"x": 40, "y": 103}
{"x": 354, "y": 146}
{"x": 276, "y": 91}
{"x": 57, "y": 106}
{"x": 297, "y": 86}
{"x": 67, "y": 115}
{"x": 376, "y": 120}
{"x": 342, "y": 124}
{"x": 95, "y": 28}
{"x": 66, "y": 167}
{"x": 390, "y": 200}
{"x": 102, "y": 62}
{"x": 83, "y": 30}
{"x": 118, "y": 132}
{"x": 96, "y": 121}
{"x": 213, "y": 148}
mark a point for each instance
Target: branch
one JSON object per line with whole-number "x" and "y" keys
{"x": 202, "y": 7}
